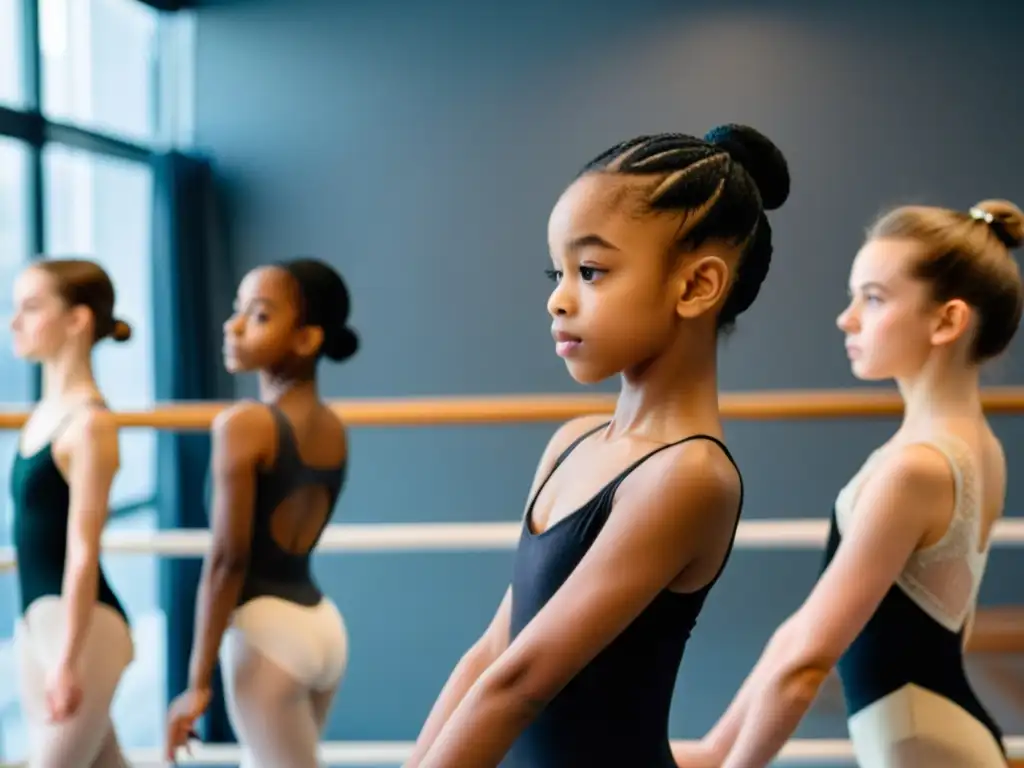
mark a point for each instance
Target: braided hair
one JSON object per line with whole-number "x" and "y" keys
{"x": 722, "y": 183}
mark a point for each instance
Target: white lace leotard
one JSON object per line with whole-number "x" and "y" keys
{"x": 909, "y": 702}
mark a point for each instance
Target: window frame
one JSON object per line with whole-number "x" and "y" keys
{"x": 30, "y": 126}
{"x": 181, "y": 459}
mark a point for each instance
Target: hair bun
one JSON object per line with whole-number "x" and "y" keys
{"x": 760, "y": 158}
{"x": 341, "y": 345}
{"x": 121, "y": 331}
{"x": 1005, "y": 220}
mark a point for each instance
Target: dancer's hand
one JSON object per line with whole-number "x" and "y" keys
{"x": 188, "y": 707}
{"x": 63, "y": 693}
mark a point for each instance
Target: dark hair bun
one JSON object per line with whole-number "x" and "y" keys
{"x": 325, "y": 303}
{"x": 760, "y": 158}
{"x": 1007, "y": 221}
{"x": 341, "y": 344}
{"x": 121, "y": 331}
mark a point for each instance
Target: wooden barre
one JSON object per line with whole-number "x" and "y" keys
{"x": 997, "y": 630}
{"x": 433, "y": 411}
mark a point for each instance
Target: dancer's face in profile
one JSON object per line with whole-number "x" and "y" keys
{"x": 620, "y": 295}
{"x": 42, "y": 323}
{"x": 892, "y": 324}
{"x": 264, "y": 331}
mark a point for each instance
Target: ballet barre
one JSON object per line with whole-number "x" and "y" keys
{"x": 778, "y": 534}
{"x": 470, "y": 537}
{"x": 769, "y": 405}
{"x": 798, "y": 752}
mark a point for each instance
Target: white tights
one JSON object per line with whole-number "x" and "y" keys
{"x": 282, "y": 664}
{"x": 87, "y": 739}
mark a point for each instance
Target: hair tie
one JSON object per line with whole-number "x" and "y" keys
{"x": 979, "y": 214}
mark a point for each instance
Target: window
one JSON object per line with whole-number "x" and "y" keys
{"x": 15, "y": 387}
{"x": 111, "y": 69}
{"x": 100, "y": 65}
{"x": 12, "y": 92}
{"x": 15, "y": 375}
{"x": 12, "y": 727}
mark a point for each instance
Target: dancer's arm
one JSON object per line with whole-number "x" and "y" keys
{"x": 714, "y": 747}
{"x": 471, "y": 666}
{"x": 681, "y": 500}
{"x": 239, "y": 445}
{"x": 897, "y": 509}
{"x": 92, "y": 462}
{"x": 495, "y": 640}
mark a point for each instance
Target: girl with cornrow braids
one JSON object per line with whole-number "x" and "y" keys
{"x": 657, "y": 246}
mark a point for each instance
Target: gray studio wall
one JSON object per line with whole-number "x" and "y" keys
{"x": 420, "y": 146}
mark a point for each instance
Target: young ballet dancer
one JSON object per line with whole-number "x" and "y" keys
{"x": 73, "y": 639}
{"x": 659, "y": 244}
{"x": 934, "y": 294}
{"x": 278, "y": 468}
